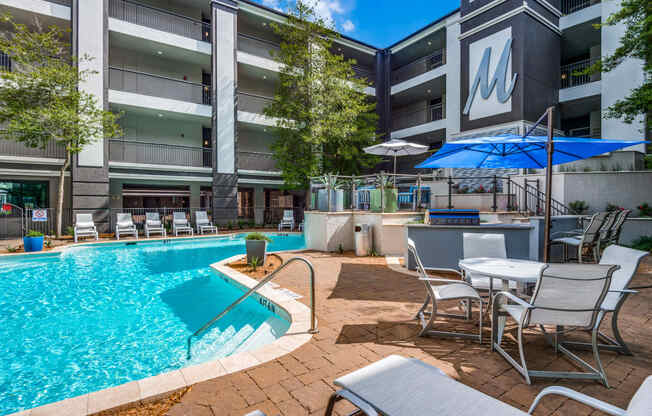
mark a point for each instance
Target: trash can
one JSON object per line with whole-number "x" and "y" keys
{"x": 363, "y": 239}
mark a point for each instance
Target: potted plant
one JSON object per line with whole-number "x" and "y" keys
{"x": 389, "y": 195}
{"x": 257, "y": 247}
{"x": 33, "y": 241}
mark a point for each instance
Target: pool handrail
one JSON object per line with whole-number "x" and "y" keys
{"x": 313, "y": 320}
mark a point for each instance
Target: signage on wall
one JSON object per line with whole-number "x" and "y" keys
{"x": 495, "y": 94}
{"x": 40, "y": 215}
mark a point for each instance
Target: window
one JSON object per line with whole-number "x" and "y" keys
{"x": 26, "y": 194}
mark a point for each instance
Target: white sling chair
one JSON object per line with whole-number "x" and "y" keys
{"x": 484, "y": 245}
{"x": 153, "y": 224}
{"x": 439, "y": 289}
{"x": 566, "y": 295}
{"x": 629, "y": 261}
{"x": 287, "y": 221}
{"x": 589, "y": 239}
{"x": 180, "y": 223}
{"x": 124, "y": 225}
{"x": 399, "y": 386}
{"x": 84, "y": 226}
{"x": 203, "y": 223}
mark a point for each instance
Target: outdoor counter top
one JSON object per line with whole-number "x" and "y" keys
{"x": 481, "y": 226}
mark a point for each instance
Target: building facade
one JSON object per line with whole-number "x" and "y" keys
{"x": 192, "y": 78}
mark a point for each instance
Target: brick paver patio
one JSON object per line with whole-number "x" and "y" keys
{"x": 365, "y": 312}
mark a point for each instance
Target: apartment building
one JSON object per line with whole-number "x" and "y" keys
{"x": 192, "y": 78}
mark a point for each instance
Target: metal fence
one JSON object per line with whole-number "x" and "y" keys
{"x": 570, "y": 77}
{"x": 51, "y": 150}
{"x": 159, "y": 154}
{"x": 158, "y": 86}
{"x": 253, "y": 103}
{"x": 419, "y": 66}
{"x": 405, "y": 119}
{"x": 571, "y": 6}
{"x": 49, "y": 227}
{"x": 257, "y": 46}
{"x": 257, "y": 161}
{"x": 159, "y": 19}
{"x": 165, "y": 214}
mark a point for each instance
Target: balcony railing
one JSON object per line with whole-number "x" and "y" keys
{"x": 568, "y": 79}
{"x": 159, "y": 19}
{"x": 159, "y": 154}
{"x": 419, "y": 66}
{"x": 52, "y": 150}
{"x": 5, "y": 62}
{"x": 158, "y": 86}
{"x": 252, "y": 103}
{"x": 256, "y": 46}
{"x": 257, "y": 161}
{"x": 362, "y": 72}
{"x": 403, "y": 120}
{"x": 61, "y": 2}
{"x": 571, "y": 6}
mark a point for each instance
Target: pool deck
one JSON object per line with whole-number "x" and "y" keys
{"x": 365, "y": 310}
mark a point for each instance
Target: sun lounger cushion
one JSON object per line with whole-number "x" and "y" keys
{"x": 398, "y": 386}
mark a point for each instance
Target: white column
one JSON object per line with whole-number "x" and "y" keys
{"x": 91, "y": 42}
{"x": 453, "y": 70}
{"x": 619, "y": 82}
{"x": 225, "y": 88}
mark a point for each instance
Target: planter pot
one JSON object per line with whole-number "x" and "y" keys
{"x": 391, "y": 199}
{"x": 33, "y": 244}
{"x": 337, "y": 200}
{"x": 258, "y": 249}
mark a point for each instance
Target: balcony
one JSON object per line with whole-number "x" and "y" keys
{"x": 159, "y": 19}
{"x": 361, "y": 72}
{"x": 256, "y": 46}
{"x": 252, "y": 103}
{"x": 159, "y": 154}
{"x": 407, "y": 119}
{"x": 570, "y": 79}
{"x": 418, "y": 67}
{"x": 572, "y": 6}
{"x": 10, "y": 150}
{"x": 61, "y": 2}
{"x": 257, "y": 161}
{"x": 158, "y": 86}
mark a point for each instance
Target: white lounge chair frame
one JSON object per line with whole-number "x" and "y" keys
{"x": 84, "y": 227}
{"x": 124, "y": 225}
{"x": 203, "y": 223}
{"x": 566, "y": 295}
{"x": 287, "y": 220}
{"x": 629, "y": 261}
{"x": 440, "y": 289}
{"x": 180, "y": 223}
{"x": 153, "y": 224}
{"x": 589, "y": 239}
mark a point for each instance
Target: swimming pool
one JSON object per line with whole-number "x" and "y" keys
{"x": 101, "y": 315}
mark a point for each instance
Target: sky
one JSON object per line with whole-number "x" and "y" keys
{"x": 377, "y": 22}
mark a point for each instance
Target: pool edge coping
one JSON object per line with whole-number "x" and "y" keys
{"x": 157, "y": 386}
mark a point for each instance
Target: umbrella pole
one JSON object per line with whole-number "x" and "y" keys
{"x": 394, "y": 169}
{"x": 548, "y": 220}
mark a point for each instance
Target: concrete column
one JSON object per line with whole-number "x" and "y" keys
{"x": 452, "y": 101}
{"x": 225, "y": 175}
{"x": 619, "y": 82}
{"x": 195, "y": 197}
{"x": 595, "y": 53}
{"x": 595, "y": 121}
{"x": 383, "y": 93}
{"x": 259, "y": 204}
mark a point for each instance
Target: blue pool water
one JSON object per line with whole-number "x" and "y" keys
{"x": 99, "y": 316}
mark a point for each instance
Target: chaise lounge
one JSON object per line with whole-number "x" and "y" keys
{"x": 180, "y": 223}
{"x": 84, "y": 226}
{"x": 153, "y": 224}
{"x": 125, "y": 226}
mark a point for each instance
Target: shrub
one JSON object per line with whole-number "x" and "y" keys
{"x": 612, "y": 207}
{"x": 340, "y": 249}
{"x": 643, "y": 243}
{"x": 229, "y": 225}
{"x": 12, "y": 249}
{"x": 579, "y": 207}
{"x": 241, "y": 225}
{"x": 258, "y": 237}
{"x": 255, "y": 262}
{"x": 69, "y": 230}
{"x": 34, "y": 233}
{"x": 645, "y": 210}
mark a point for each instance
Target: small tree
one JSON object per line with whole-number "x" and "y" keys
{"x": 324, "y": 118}
{"x": 40, "y": 101}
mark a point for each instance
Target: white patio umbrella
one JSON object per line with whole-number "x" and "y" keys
{"x": 396, "y": 147}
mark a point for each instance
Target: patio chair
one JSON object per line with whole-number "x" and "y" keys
{"x": 606, "y": 230}
{"x": 438, "y": 290}
{"x": 203, "y": 223}
{"x": 153, "y": 224}
{"x": 617, "y": 228}
{"x": 589, "y": 239}
{"x": 84, "y": 226}
{"x": 484, "y": 245}
{"x": 287, "y": 220}
{"x": 566, "y": 295}
{"x": 180, "y": 223}
{"x": 399, "y": 386}
{"x": 629, "y": 261}
{"x": 125, "y": 225}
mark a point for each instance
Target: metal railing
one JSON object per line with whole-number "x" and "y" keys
{"x": 405, "y": 119}
{"x": 366, "y": 73}
{"x": 159, "y": 154}
{"x": 49, "y": 226}
{"x": 5, "y": 62}
{"x": 165, "y": 215}
{"x": 159, "y": 19}
{"x": 257, "y": 161}
{"x": 253, "y": 103}
{"x": 61, "y": 2}
{"x": 267, "y": 279}
{"x": 570, "y": 78}
{"x": 256, "y": 46}
{"x": 158, "y": 86}
{"x": 419, "y": 66}
{"x": 571, "y": 6}
{"x": 52, "y": 150}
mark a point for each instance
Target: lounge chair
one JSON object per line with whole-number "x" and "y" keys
{"x": 203, "y": 223}
{"x": 438, "y": 290}
{"x": 588, "y": 240}
{"x": 616, "y": 229}
{"x": 153, "y": 224}
{"x": 84, "y": 226}
{"x": 287, "y": 220}
{"x": 566, "y": 295}
{"x": 399, "y": 386}
{"x": 125, "y": 225}
{"x": 180, "y": 223}
{"x": 629, "y": 261}
{"x": 484, "y": 245}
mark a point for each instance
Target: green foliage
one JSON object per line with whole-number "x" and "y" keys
{"x": 648, "y": 162}
{"x": 372, "y": 252}
{"x": 643, "y": 243}
{"x": 340, "y": 249}
{"x": 34, "y": 233}
{"x": 254, "y": 263}
{"x": 229, "y": 225}
{"x": 613, "y": 207}
{"x": 645, "y": 210}
{"x": 48, "y": 243}
{"x": 69, "y": 230}
{"x": 12, "y": 249}
{"x": 578, "y": 207}
{"x": 636, "y": 42}
{"x": 241, "y": 225}
{"x": 324, "y": 118}
{"x": 258, "y": 237}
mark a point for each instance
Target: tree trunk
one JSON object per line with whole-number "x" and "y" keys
{"x": 60, "y": 195}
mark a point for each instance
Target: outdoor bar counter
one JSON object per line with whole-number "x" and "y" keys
{"x": 442, "y": 246}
